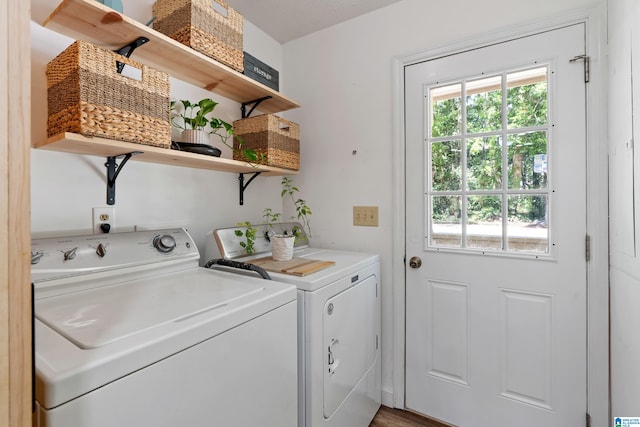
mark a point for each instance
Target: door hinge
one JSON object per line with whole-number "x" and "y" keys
{"x": 586, "y": 60}
{"x": 588, "y": 420}
{"x": 587, "y": 247}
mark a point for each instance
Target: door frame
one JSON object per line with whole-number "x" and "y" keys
{"x": 598, "y": 396}
{"x": 15, "y": 232}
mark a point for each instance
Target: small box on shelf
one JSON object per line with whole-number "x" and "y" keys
{"x": 261, "y": 72}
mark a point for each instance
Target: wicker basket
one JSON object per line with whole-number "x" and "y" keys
{"x": 87, "y": 95}
{"x": 277, "y": 139}
{"x": 195, "y": 23}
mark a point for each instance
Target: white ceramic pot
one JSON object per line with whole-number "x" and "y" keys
{"x": 282, "y": 247}
{"x": 195, "y": 136}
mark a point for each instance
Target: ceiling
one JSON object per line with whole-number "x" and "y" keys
{"x": 286, "y": 20}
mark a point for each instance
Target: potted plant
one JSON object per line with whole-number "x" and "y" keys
{"x": 196, "y": 125}
{"x": 282, "y": 244}
{"x": 193, "y": 120}
{"x": 283, "y": 241}
{"x": 303, "y": 211}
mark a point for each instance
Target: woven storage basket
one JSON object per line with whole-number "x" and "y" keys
{"x": 195, "y": 23}
{"x": 277, "y": 139}
{"x": 86, "y": 95}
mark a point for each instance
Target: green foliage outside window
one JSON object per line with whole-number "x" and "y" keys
{"x": 526, "y": 107}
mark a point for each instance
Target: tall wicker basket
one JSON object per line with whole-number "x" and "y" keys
{"x": 197, "y": 24}
{"x": 277, "y": 139}
{"x": 87, "y": 95}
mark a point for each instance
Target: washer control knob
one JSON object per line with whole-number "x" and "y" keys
{"x": 164, "y": 243}
{"x": 101, "y": 250}
{"x": 70, "y": 254}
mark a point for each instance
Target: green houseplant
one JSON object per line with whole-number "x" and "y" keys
{"x": 303, "y": 211}
{"x": 270, "y": 217}
{"x": 192, "y": 119}
{"x": 249, "y": 234}
{"x": 282, "y": 244}
{"x": 196, "y": 124}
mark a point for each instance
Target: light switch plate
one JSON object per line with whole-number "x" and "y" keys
{"x": 366, "y": 216}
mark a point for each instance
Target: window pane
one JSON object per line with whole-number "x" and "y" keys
{"x": 484, "y": 163}
{"x": 446, "y": 229}
{"x": 484, "y": 105}
{"x": 488, "y": 186}
{"x": 527, "y": 98}
{"x": 484, "y": 218}
{"x": 446, "y": 113}
{"x": 446, "y": 168}
{"x": 527, "y": 158}
{"x": 527, "y": 225}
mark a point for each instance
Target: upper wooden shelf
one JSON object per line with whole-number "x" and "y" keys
{"x": 98, "y": 24}
{"x": 79, "y": 144}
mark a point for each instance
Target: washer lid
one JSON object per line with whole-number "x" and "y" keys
{"x": 100, "y": 316}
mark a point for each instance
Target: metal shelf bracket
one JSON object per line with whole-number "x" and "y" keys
{"x": 253, "y": 105}
{"x": 128, "y": 50}
{"x": 113, "y": 169}
{"x": 244, "y": 186}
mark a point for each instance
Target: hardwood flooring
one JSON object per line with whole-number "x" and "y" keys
{"x": 389, "y": 417}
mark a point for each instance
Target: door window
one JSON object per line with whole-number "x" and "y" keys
{"x": 488, "y": 145}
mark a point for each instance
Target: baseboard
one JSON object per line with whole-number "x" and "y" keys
{"x": 387, "y": 398}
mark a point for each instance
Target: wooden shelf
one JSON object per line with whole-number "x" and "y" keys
{"x": 79, "y": 144}
{"x": 98, "y": 24}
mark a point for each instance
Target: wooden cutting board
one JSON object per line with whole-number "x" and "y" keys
{"x": 295, "y": 266}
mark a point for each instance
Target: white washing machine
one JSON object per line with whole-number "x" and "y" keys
{"x": 130, "y": 331}
{"x": 339, "y": 364}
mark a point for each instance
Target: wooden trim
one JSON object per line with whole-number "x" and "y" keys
{"x": 94, "y": 146}
{"x": 15, "y": 235}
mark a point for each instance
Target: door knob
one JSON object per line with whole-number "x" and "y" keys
{"x": 415, "y": 262}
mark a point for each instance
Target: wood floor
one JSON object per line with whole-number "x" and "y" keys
{"x": 388, "y": 417}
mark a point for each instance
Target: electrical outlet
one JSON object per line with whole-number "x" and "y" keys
{"x": 365, "y": 216}
{"x": 103, "y": 216}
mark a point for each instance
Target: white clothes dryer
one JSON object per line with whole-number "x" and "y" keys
{"x": 339, "y": 368}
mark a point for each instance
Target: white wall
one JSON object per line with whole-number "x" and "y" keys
{"x": 66, "y": 187}
{"x": 624, "y": 44}
{"x": 342, "y": 77}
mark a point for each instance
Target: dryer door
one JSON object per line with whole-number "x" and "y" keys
{"x": 349, "y": 325}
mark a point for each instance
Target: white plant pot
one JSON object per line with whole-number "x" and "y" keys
{"x": 195, "y": 136}
{"x": 282, "y": 247}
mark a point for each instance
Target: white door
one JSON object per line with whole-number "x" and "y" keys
{"x": 496, "y": 212}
